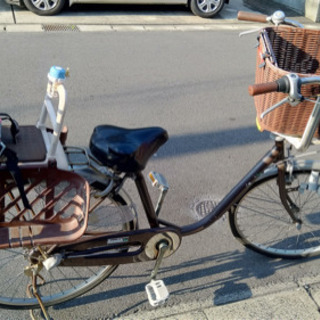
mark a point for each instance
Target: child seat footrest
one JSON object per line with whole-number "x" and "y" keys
{"x": 59, "y": 203}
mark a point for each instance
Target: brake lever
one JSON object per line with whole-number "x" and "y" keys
{"x": 243, "y": 33}
{"x": 277, "y": 105}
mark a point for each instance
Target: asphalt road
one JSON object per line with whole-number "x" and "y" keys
{"x": 194, "y": 84}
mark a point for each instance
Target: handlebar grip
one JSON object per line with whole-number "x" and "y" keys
{"x": 251, "y": 16}
{"x": 261, "y": 88}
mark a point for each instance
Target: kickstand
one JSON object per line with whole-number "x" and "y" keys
{"x": 32, "y": 291}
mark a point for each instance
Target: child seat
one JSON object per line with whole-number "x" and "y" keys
{"x": 41, "y": 202}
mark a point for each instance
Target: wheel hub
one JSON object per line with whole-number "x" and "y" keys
{"x": 44, "y": 4}
{"x": 208, "y": 5}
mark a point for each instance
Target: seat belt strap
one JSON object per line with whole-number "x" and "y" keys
{"x": 12, "y": 166}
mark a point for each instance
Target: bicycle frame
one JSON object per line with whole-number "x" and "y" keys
{"x": 92, "y": 251}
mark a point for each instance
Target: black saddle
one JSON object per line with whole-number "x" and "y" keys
{"x": 126, "y": 150}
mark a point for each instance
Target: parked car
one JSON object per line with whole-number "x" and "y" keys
{"x": 202, "y": 8}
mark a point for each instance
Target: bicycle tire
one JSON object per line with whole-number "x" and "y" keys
{"x": 261, "y": 223}
{"x": 62, "y": 283}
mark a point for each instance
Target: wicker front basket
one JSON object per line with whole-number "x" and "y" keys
{"x": 283, "y": 50}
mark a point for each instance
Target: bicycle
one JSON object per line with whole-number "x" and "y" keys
{"x": 49, "y": 228}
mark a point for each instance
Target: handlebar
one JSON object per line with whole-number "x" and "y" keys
{"x": 251, "y": 16}
{"x": 280, "y": 85}
{"x": 277, "y": 18}
{"x": 290, "y": 83}
{"x": 262, "y": 88}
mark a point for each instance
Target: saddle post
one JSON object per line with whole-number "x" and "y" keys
{"x": 146, "y": 200}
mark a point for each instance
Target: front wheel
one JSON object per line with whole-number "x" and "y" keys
{"x": 206, "y": 8}
{"x": 45, "y": 7}
{"x": 261, "y": 223}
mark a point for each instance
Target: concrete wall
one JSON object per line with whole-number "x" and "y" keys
{"x": 309, "y": 8}
{"x": 297, "y": 5}
{"x": 312, "y": 10}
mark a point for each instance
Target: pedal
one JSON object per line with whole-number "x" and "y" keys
{"x": 157, "y": 292}
{"x": 52, "y": 261}
{"x": 158, "y": 180}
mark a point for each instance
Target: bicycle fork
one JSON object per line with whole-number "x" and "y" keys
{"x": 283, "y": 181}
{"x": 286, "y": 201}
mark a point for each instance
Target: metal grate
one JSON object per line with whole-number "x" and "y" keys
{"x": 203, "y": 208}
{"x": 60, "y": 28}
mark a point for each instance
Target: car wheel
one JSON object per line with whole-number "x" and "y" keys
{"x": 206, "y": 8}
{"x": 45, "y": 7}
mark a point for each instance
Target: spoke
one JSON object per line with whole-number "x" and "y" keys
{"x": 45, "y": 4}
{"x": 37, "y": 3}
{"x": 208, "y": 5}
{"x": 18, "y": 286}
{"x": 11, "y": 282}
{"x": 261, "y": 212}
{"x": 263, "y": 222}
{"x": 274, "y": 238}
{"x": 61, "y": 283}
{"x": 203, "y": 6}
{"x": 212, "y": 4}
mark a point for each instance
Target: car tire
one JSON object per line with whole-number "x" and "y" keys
{"x": 206, "y": 8}
{"x": 42, "y": 9}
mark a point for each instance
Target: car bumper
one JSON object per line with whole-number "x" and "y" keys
{"x": 14, "y": 2}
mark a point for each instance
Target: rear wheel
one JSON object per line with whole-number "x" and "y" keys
{"x": 61, "y": 283}
{"x": 260, "y": 221}
{"x": 45, "y": 7}
{"x": 206, "y": 8}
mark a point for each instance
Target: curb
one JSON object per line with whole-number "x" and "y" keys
{"x": 288, "y": 304}
{"x": 129, "y": 28}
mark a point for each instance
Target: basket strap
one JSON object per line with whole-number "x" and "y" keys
{"x": 12, "y": 166}
{"x": 14, "y": 127}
